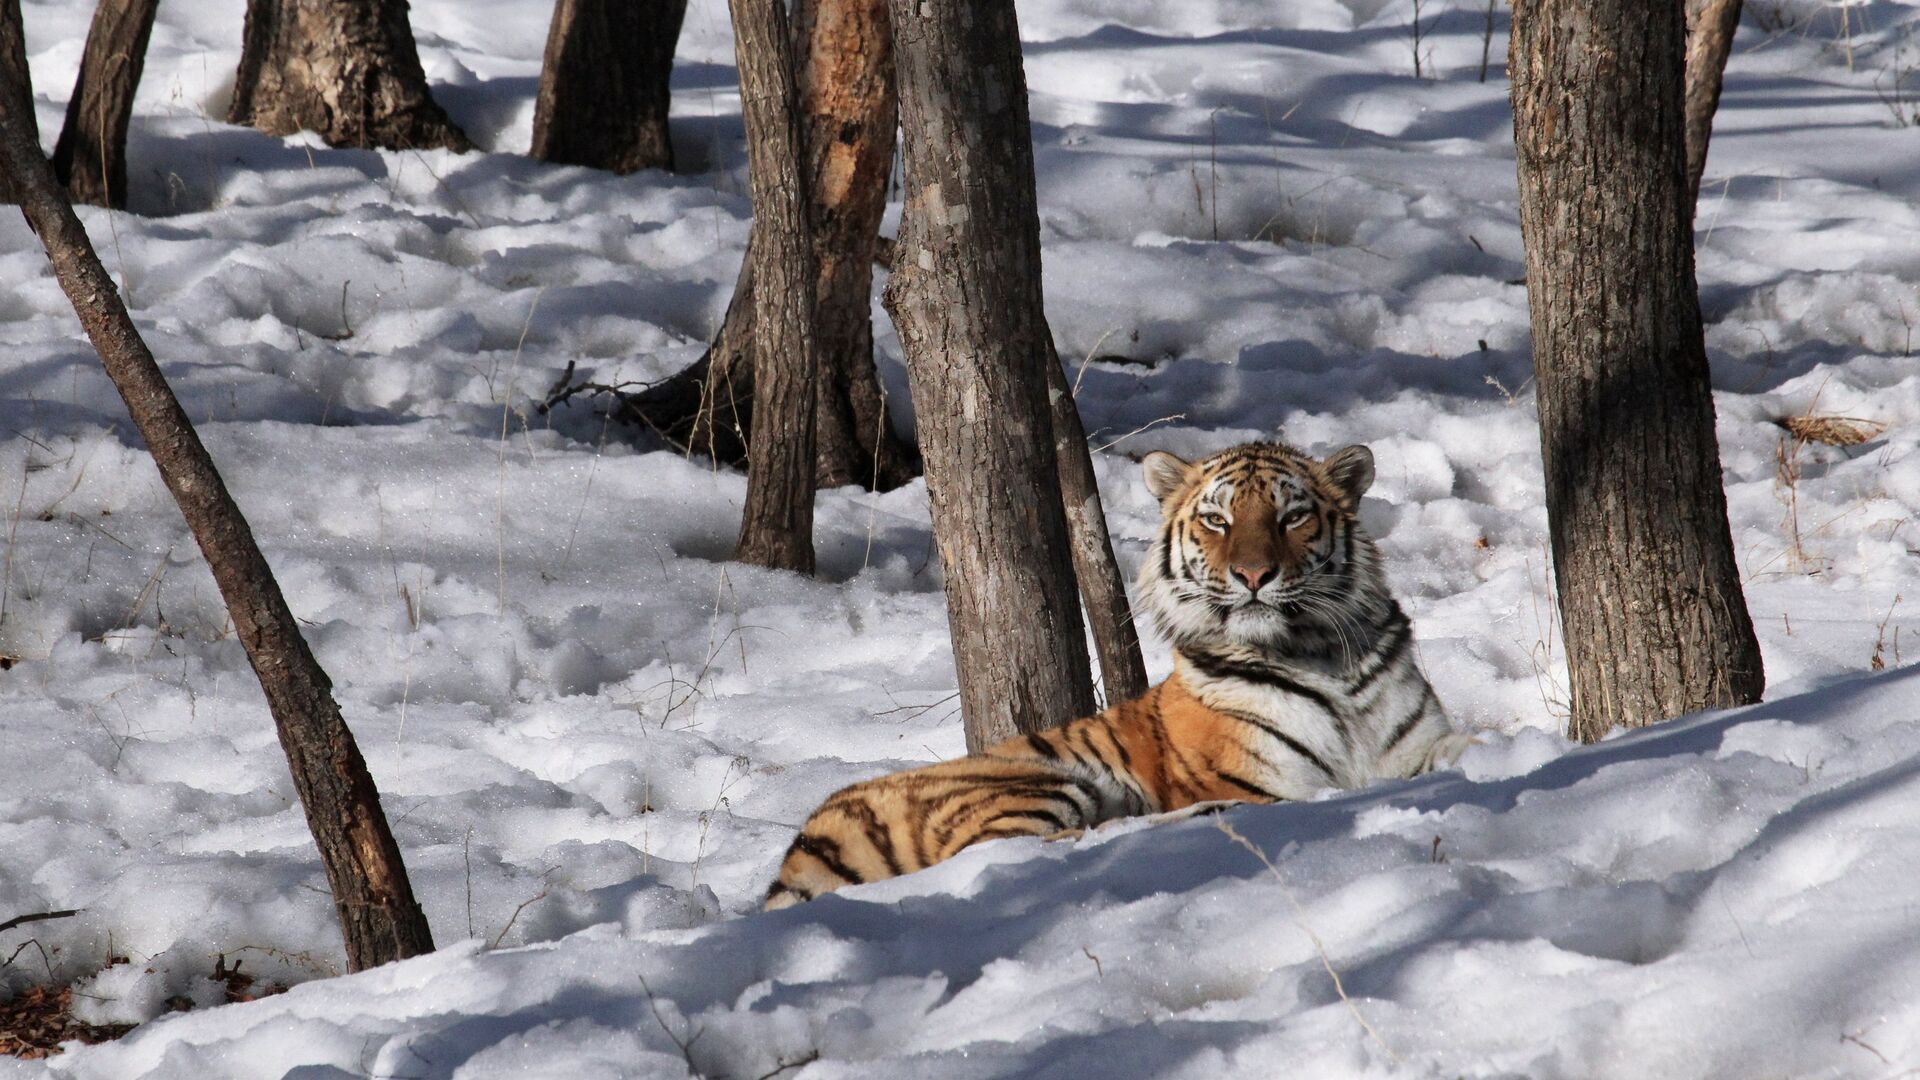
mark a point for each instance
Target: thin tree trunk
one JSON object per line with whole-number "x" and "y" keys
{"x": 776, "y": 525}
{"x": 604, "y": 84}
{"x": 16, "y": 87}
{"x": 1649, "y": 592}
{"x": 848, "y": 111}
{"x": 965, "y": 297}
{"x": 346, "y": 69}
{"x": 379, "y": 918}
{"x": 1710, "y": 28}
{"x": 1122, "y": 672}
{"x": 91, "y": 156}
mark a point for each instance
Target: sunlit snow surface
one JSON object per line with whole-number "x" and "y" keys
{"x": 595, "y": 737}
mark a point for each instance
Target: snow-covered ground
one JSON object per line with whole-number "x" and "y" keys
{"x": 595, "y": 736}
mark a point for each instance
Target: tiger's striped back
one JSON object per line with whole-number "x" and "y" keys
{"x": 1293, "y": 672}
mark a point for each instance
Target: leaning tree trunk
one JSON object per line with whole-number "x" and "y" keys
{"x": 379, "y": 918}
{"x": 965, "y": 297}
{"x": 346, "y": 69}
{"x": 848, "y": 111}
{"x": 91, "y": 156}
{"x": 16, "y": 95}
{"x": 1109, "y": 616}
{"x": 1710, "y": 29}
{"x": 604, "y": 84}
{"x": 1655, "y": 623}
{"x": 776, "y": 525}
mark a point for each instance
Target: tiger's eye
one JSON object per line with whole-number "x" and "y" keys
{"x": 1295, "y": 519}
{"x": 1213, "y": 521}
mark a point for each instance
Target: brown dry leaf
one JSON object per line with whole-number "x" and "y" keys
{"x": 1832, "y": 430}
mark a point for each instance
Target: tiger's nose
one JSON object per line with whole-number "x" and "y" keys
{"x": 1255, "y": 575}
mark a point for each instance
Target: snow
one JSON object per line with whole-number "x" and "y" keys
{"x": 595, "y": 736}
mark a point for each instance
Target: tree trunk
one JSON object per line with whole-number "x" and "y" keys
{"x": 1655, "y": 623}
{"x": 1710, "y": 29}
{"x": 378, "y": 915}
{"x": 1122, "y": 672}
{"x": 848, "y": 111}
{"x": 346, "y": 69}
{"x": 16, "y": 87}
{"x": 776, "y": 525}
{"x": 91, "y": 156}
{"x": 604, "y": 84}
{"x": 965, "y": 297}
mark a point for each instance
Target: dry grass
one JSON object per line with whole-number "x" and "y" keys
{"x": 1831, "y": 430}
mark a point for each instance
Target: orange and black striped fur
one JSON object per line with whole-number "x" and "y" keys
{"x": 1293, "y": 672}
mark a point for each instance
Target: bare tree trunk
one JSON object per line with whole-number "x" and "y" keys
{"x": 965, "y": 297}
{"x": 346, "y": 69}
{"x": 1122, "y": 672}
{"x": 91, "y": 156}
{"x": 848, "y": 112}
{"x": 1649, "y": 593}
{"x": 604, "y": 84}
{"x": 776, "y": 525}
{"x": 379, "y": 918}
{"x": 16, "y": 87}
{"x": 1710, "y": 28}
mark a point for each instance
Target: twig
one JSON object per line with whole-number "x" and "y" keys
{"x": 42, "y": 916}
{"x": 1300, "y": 920}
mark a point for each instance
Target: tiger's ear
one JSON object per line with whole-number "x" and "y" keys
{"x": 1350, "y": 471}
{"x": 1164, "y": 472}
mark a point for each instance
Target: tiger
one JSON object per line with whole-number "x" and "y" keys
{"x": 1293, "y": 672}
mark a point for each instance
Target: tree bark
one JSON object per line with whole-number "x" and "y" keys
{"x": 965, "y": 296}
{"x": 1710, "y": 28}
{"x": 16, "y": 87}
{"x": 91, "y": 156}
{"x": 379, "y": 918}
{"x": 1117, "y": 641}
{"x": 1655, "y": 623}
{"x": 848, "y": 111}
{"x": 776, "y": 525}
{"x": 346, "y": 69}
{"x": 604, "y": 84}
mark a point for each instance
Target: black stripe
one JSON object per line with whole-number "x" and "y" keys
{"x": 1406, "y": 726}
{"x": 878, "y": 835}
{"x": 1285, "y": 740}
{"x": 1248, "y": 786}
{"x": 1033, "y": 815}
{"x": 779, "y": 887}
{"x": 828, "y": 852}
{"x": 1042, "y": 747}
{"x": 1387, "y": 651}
{"x": 1221, "y": 667}
{"x": 1166, "y": 541}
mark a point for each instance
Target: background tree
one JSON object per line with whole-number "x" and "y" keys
{"x": 965, "y": 297}
{"x": 16, "y": 99}
{"x": 379, "y": 917}
{"x": 605, "y": 84}
{"x": 346, "y": 69}
{"x": 849, "y": 115}
{"x": 91, "y": 156}
{"x": 1710, "y": 28}
{"x": 1650, "y": 597}
{"x": 776, "y": 525}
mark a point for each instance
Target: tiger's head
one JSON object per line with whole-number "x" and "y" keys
{"x": 1259, "y": 546}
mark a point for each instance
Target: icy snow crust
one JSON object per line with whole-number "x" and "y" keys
{"x": 595, "y": 737}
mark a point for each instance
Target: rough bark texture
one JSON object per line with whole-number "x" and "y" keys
{"x": 1109, "y": 616}
{"x": 1710, "y": 29}
{"x": 91, "y": 156}
{"x": 776, "y": 525}
{"x": 604, "y": 84}
{"x": 346, "y": 69}
{"x": 1649, "y": 594}
{"x": 16, "y": 88}
{"x": 848, "y": 111}
{"x": 965, "y": 297}
{"x": 378, "y": 915}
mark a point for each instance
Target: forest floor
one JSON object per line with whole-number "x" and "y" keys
{"x": 595, "y": 736}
